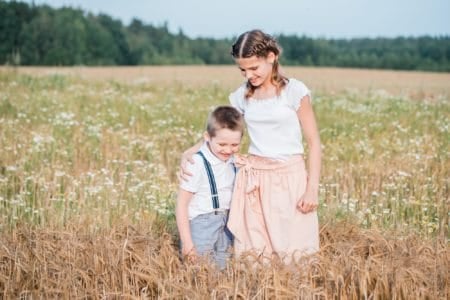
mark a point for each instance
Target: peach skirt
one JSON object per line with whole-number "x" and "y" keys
{"x": 263, "y": 215}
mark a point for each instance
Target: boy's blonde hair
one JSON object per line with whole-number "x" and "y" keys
{"x": 224, "y": 117}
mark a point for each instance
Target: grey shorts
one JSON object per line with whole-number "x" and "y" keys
{"x": 211, "y": 237}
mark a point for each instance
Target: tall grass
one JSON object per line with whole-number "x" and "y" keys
{"x": 80, "y": 159}
{"x": 136, "y": 262}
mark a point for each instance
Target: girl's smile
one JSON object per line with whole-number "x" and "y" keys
{"x": 257, "y": 70}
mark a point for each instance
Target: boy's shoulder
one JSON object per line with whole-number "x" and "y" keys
{"x": 198, "y": 162}
{"x": 196, "y": 168}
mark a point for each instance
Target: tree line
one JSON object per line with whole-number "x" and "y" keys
{"x": 42, "y": 35}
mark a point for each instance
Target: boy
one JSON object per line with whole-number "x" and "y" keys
{"x": 204, "y": 199}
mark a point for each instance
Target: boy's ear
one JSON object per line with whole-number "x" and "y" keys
{"x": 206, "y": 136}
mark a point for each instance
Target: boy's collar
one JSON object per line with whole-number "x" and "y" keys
{"x": 210, "y": 157}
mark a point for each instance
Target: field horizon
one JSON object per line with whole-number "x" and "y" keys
{"x": 321, "y": 79}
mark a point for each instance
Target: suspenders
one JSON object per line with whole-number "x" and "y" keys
{"x": 212, "y": 182}
{"x": 214, "y": 194}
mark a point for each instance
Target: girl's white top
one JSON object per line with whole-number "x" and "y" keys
{"x": 273, "y": 125}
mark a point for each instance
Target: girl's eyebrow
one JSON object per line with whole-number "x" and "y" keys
{"x": 249, "y": 68}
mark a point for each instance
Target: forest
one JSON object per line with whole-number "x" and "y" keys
{"x": 44, "y": 36}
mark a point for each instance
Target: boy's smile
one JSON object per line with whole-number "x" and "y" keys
{"x": 225, "y": 143}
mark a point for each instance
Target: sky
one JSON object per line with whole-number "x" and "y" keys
{"x": 313, "y": 18}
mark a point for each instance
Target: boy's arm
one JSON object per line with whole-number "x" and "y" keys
{"x": 181, "y": 212}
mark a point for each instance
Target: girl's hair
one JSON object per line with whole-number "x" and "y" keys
{"x": 259, "y": 44}
{"x": 224, "y": 117}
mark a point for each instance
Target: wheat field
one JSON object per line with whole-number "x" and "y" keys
{"x": 88, "y": 161}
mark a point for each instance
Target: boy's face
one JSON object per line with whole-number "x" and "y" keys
{"x": 225, "y": 143}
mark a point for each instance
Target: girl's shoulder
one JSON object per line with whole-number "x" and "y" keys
{"x": 294, "y": 83}
{"x": 240, "y": 91}
{"x": 296, "y": 90}
{"x": 237, "y": 97}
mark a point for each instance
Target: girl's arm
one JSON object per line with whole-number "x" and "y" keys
{"x": 310, "y": 199}
{"x": 181, "y": 213}
{"x": 186, "y": 157}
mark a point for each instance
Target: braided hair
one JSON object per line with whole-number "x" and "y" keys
{"x": 259, "y": 44}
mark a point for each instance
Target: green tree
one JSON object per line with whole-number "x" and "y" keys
{"x": 41, "y": 35}
{"x": 13, "y": 16}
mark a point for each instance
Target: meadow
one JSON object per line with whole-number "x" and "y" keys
{"x": 88, "y": 162}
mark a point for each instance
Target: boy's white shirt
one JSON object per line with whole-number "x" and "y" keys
{"x": 198, "y": 183}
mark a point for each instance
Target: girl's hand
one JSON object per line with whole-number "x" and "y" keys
{"x": 308, "y": 202}
{"x": 183, "y": 173}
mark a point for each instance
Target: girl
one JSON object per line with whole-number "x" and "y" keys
{"x": 273, "y": 209}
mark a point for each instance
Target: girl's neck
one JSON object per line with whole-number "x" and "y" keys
{"x": 265, "y": 91}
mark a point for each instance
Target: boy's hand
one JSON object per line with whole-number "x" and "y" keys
{"x": 240, "y": 160}
{"x": 189, "y": 253}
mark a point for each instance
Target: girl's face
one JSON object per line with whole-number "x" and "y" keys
{"x": 257, "y": 70}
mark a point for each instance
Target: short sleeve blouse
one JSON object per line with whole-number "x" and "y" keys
{"x": 272, "y": 124}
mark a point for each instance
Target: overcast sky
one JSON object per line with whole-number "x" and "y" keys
{"x": 314, "y": 18}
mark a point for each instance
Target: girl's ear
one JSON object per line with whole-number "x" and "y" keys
{"x": 206, "y": 136}
{"x": 271, "y": 57}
